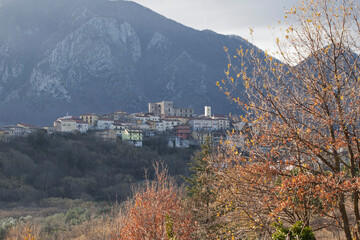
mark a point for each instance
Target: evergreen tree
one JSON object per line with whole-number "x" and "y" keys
{"x": 200, "y": 191}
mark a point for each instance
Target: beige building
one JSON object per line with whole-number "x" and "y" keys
{"x": 67, "y": 125}
{"x": 70, "y": 124}
{"x": 183, "y": 112}
{"x": 166, "y": 108}
{"x": 183, "y": 120}
{"x": 90, "y": 118}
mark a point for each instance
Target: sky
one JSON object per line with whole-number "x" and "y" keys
{"x": 228, "y": 16}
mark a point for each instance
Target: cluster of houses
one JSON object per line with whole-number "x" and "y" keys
{"x": 18, "y": 130}
{"x": 180, "y": 126}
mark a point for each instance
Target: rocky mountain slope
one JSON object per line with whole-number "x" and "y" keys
{"x": 78, "y": 56}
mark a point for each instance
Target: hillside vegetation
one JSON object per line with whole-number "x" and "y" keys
{"x": 78, "y": 166}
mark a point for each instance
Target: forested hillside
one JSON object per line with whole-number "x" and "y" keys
{"x": 79, "y": 166}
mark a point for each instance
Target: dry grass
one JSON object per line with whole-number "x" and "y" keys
{"x": 33, "y": 211}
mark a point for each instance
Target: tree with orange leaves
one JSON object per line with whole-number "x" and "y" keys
{"x": 157, "y": 212}
{"x": 303, "y": 153}
{"x": 24, "y": 232}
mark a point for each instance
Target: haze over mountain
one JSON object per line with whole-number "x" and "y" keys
{"x": 79, "y": 56}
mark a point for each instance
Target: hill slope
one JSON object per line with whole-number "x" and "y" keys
{"x": 80, "y": 56}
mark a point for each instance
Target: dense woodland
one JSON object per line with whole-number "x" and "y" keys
{"x": 80, "y": 166}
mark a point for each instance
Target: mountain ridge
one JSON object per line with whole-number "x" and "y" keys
{"x": 101, "y": 56}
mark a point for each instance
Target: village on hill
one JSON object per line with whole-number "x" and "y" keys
{"x": 180, "y": 127}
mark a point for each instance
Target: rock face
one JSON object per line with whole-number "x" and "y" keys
{"x": 78, "y": 56}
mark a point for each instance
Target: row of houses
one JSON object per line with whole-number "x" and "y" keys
{"x": 105, "y": 128}
{"x": 19, "y": 130}
{"x": 180, "y": 126}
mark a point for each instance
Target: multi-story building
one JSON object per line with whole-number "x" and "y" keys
{"x": 201, "y": 136}
{"x": 166, "y": 108}
{"x": 207, "y": 111}
{"x": 183, "y": 120}
{"x": 183, "y": 112}
{"x": 169, "y": 125}
{"x": 90, "y": 118}
{"x": 13, "y": 131}
{"x": 133, "y": 136}
{"x": 104, "y": 124}
{"x": 120, "y": 127}
{"x": 70, "y": 124}
{"x": 204, "y": 124}
{"x": 162, "y": 108}
{"x": 163, "y": 125}
{"x": 119, "y": 115}
{"x": 81, "y": 126}
{"x": 212, "y": 124}
{"x": 143, "y": 118}
{"x": 212, "y": 137}
{"x": 65, "y": 124}
{"x": 223, "y": 121}
{"x": 28, "y": 128}
{"x": 182, "y": 131}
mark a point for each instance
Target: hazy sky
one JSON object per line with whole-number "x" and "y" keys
{"x": 226, "y": 16}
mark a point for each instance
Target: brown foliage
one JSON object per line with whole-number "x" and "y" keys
{"x": 24, "y": 231}
{"x": 303, "y": 146}
{"x": 156, "y": 212}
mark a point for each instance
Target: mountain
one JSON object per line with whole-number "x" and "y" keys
{"x": 78, "y": 56}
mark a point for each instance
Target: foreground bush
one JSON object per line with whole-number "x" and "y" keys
{"x": 24, "y": 231}
{"x": 156, "y": 212}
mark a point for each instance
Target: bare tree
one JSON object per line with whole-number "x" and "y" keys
{"x": 305, "y": 114}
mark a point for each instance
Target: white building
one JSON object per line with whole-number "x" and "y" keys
{"x": 119, "y": 127}
{"x": 82, "y": 127}
{"x": 204, "y": 123}
{"x": 223, "y": 121}
{"x": 159, "y": 126}
{"x": 104, "y": 124}
{"x": 146, "y": 117}
{"x": 207, "y": 111}
{"x": 170, "y": 124}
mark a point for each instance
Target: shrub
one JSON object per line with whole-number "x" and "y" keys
{"x": 297, "y": 232}
{"x": 156, "y": 212}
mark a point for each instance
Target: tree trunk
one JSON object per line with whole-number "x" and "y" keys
{"x": 356, "y": 213}
{"x": 344, "y": 217}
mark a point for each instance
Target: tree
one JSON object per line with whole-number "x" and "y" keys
{"x": 200, "y": 191}
{"x": 304, "y": 149}
{"x": 157, "y": 212}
